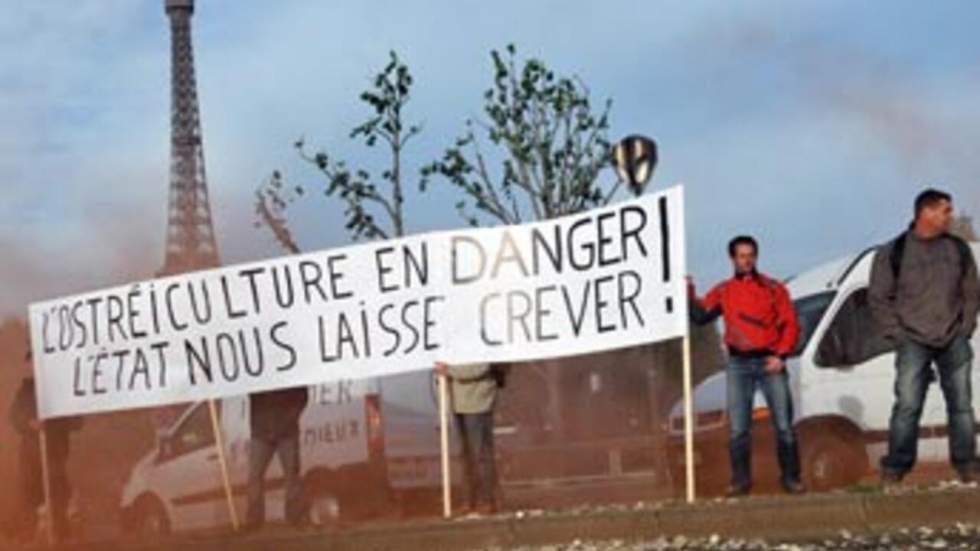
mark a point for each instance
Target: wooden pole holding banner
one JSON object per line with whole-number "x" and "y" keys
{"x": 688, "y": 422}
{"x": 447, "y": 496}
{"x": 46, "y": 481}
{"x": 219, "y": 442}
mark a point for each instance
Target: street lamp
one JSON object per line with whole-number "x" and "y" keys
{"x": 635, "y": 157}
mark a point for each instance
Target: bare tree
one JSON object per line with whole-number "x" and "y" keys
{"x": 271, "y": 200}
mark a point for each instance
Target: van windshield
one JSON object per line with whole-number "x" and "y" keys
{"x": 810, "y": 310}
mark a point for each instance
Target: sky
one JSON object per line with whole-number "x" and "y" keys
{"x": 811, "y": 125}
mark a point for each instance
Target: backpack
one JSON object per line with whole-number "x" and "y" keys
{"x": 898, "y": 252}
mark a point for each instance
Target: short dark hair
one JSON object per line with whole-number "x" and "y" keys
{"x": 930, "y": 198}
{"x": 742, "y": 240}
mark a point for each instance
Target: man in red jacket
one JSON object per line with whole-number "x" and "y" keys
{"x": 761, "y": 331}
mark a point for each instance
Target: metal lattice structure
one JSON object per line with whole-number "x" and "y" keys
{"x": 191, "y": 243}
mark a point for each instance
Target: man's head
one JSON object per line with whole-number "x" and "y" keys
{"x": 933, "y": 212}
{"x": 744, "y": 252}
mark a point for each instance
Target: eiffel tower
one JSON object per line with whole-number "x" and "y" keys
{"x": 190, "y": 234}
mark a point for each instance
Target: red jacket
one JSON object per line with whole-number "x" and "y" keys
{"x": 759, "y": 316}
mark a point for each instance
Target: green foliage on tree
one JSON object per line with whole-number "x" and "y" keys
{"x": 374, "y": 206}
{"x": 549, "y": 139}
{"x": 536, "y": 155}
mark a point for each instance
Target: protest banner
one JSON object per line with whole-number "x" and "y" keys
{"x": 603, "y": 279}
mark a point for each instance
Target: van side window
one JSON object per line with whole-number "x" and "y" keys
{"x": 195, "y": 433}
{"x": 853, "y": 337}
{"x": 809, "y": 311}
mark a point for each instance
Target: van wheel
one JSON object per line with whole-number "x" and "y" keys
{"x": 324, "y": 509}
{"x": 829, "y": 462}
{"x": 325, "y": 495}
{"x": 150, "y": 519}
{"x": 348, "y": 496}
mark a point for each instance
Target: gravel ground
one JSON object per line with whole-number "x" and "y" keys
{"x": 941, "y": 486}
{"x": 958, "y": 537}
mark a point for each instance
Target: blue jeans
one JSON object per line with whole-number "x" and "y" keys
{"x": 913, "y": 364}
{"x": 745, "y": 375}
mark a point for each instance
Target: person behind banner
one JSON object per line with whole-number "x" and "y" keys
{"x": 23, "y": 417}
{"x": 924, "y": 297}
{"x": 761, "y": 330}
{"x": 274, "y": 419}
{"x": 473, "y": 395}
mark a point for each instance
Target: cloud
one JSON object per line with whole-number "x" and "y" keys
{"x": 813, "y": 133}
{"x": 774, "y": 116}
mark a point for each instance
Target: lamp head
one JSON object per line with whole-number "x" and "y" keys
{"x": 635, "y": 158}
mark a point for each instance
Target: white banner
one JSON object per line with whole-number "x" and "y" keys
{"x": 604, "y": 279}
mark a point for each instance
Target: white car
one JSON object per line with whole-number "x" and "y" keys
{"x": 364, "y": 445}
{"x": 841, "y": 376}
{"x": 178, "y": 486}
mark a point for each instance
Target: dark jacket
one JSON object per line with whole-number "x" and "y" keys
{"x": 759, "y": 316}
{"x": 934, "y": 299}
{"x": 275, "y": 414}
{"x": 58, "y": 430}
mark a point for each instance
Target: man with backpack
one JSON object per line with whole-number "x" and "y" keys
{"x": 473, "y": 393}
{"x": 924, "y": 296}
{"x": 761, "y": 331}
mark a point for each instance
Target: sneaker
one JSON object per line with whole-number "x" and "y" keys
{"x": 486, "y": 509}
{"x": 891, "y": 479}
{"x": 463, "y": 510}
{"x": 968, "y": 475}
{"x": 738, "y": 490}
{"x": 794, "y": 487}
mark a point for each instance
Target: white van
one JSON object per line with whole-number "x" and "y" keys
{"x": 361, "y": 442}
{"x": 842, "y": 377}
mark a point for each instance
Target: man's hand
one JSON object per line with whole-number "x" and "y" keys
{"x": 442, "y": 369}
{"x": 774, "y": 365}
{"x": 34, "y": 424}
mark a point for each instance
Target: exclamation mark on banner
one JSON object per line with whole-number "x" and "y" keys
{"x": 665, "y": 248}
